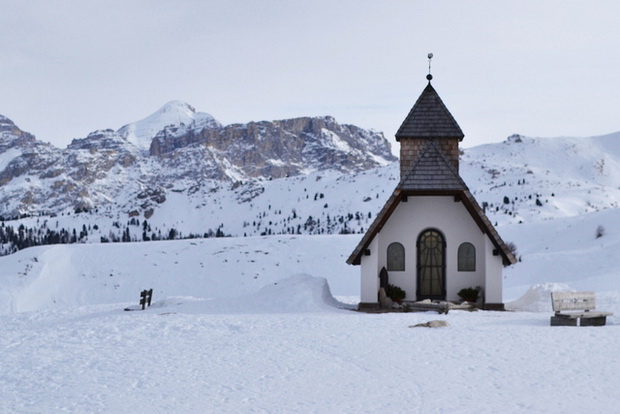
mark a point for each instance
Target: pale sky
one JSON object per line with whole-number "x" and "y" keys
{"x": 538, "y": 68}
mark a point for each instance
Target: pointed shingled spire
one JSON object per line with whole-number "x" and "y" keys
{"x": 429, "y": 118}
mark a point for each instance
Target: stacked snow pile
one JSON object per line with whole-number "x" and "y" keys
{"x": 295, "y": 294}
{"x": 537, "y": 298}
{"x": 299, "y": 293}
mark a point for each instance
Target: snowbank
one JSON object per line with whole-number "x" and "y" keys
{"x": 295, "y": 294}
{"x": 299, "y": 293}
{"x": 537, "y": 298}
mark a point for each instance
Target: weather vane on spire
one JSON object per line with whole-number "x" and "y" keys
{"x": 429, "y": 76}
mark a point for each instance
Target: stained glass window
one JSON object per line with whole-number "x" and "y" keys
{"x": 396, "y": 257}
{"x": 467, "y": 258}
{"x": 431, "y": 263}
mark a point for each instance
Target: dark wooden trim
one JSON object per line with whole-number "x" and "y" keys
{"x": 375, "y": 227}
{"x": 494, "y": 307}
{"x": 368, "y": 305}
{"x": 468, "y": 200}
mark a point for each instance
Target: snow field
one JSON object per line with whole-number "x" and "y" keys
{"x": 177, "y": 359}
{"x": 250, "y": 325}
{"x": 74, "y": 275}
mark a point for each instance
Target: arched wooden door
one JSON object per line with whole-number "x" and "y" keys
{"x": 431, "y": 248}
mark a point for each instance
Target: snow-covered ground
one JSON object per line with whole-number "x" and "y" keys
{"x": 179, "y": 358}
{"x": 252, "y": 325}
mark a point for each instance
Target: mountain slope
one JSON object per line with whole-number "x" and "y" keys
{"x": 524, "y": 179}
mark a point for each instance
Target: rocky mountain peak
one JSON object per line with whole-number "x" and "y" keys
{"x": 12, "y": 136}
{"x": 4, "y": 122}
{"x": 174, "y": 113}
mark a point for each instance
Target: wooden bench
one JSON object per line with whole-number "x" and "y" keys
{"x": 573, "y": 307}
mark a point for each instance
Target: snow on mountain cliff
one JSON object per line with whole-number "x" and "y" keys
{"x": 141, "y": 133}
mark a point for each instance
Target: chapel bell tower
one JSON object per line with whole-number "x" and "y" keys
{"x": 428, "y": 120}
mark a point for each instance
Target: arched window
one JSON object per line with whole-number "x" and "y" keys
{"x": 467, "y": 258}
{"x": 396, "y": 257}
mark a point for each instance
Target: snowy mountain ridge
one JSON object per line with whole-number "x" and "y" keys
{"x": 192, "y": 152}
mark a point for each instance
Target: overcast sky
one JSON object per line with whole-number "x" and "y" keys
{"x": 538, "y": 68}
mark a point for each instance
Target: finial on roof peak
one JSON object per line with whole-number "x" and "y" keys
{"x": 429, "y": 76}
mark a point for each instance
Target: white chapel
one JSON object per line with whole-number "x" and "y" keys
{"x": 431, "y": 236}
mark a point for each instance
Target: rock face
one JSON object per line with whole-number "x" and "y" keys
{"x": 280, "y": 148}
{"x": 133, "y": 168}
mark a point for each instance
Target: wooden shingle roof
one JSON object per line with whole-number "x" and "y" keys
{"x": 432, "y": 171}
{"x": 429, "y": 118}
{"x": 432, "y": 174}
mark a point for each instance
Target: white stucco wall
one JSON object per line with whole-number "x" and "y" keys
{"x": 494, "y": 275}
{"x": 370, "y": 274}
{"x": 453, "y": 220}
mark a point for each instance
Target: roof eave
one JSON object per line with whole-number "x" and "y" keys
{"x": 377, "y": 225}
{"x": 468, "y": 201}
{"x": 398, "y": 136}
{"x": 486, "y": 227}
